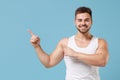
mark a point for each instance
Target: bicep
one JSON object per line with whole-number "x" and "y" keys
{"x": 103, "y": 49}
{"x": 57, "y": 55}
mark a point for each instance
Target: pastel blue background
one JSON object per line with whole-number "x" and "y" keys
{"x": 52, "y": 20}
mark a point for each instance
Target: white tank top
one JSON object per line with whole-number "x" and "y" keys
{"x": 76, "y": 69}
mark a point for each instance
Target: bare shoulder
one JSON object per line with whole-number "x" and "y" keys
{"x": 102, "y": 47}
{"x": 63, "y": 41}
{"x": 102, "y": 42}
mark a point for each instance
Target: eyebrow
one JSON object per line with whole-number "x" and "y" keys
{"x": 81, "y": 19}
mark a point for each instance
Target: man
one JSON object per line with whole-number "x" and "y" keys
{"x": 83, "y": 53}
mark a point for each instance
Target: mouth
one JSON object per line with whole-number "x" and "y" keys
{"x": 83, "y": 27}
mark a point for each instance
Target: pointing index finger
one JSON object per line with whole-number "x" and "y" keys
{"x": 31, "y": 33}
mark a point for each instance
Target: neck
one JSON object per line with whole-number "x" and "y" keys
{"x": 86, "y": 36}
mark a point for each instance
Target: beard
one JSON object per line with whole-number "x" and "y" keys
{"x": 83, "y": 29}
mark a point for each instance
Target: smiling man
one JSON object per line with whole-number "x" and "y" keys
{"x": 83, "y": 52}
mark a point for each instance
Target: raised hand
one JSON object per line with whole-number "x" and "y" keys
{"x": 35, "y": 40}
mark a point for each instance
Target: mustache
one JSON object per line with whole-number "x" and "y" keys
{"x": 83, "y": 25}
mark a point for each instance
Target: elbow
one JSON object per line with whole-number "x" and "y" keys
{"x": 102, "y": 63}
{"x": 47, "y": 67}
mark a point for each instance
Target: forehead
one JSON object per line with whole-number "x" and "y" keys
{"x": 83, "y": 16}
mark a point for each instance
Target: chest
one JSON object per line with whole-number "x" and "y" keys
{"x": 82, "y": 44}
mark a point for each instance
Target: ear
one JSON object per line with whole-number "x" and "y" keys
{"x": 91, "y": 22}
{"x": 75, "y": 22}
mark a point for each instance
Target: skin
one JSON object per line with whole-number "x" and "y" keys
{"x": 83, "y": 37}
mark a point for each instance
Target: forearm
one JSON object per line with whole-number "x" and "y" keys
{"x": 43, "y": 57}
{"x": 91, "y": 59}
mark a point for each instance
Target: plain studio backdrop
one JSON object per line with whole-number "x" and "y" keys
{"x": 52, "y": 20}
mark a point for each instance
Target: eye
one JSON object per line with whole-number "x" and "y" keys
{"x": 79, "y": 20}
{"x": 87, "y": 20}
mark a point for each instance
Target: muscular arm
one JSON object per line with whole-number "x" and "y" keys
{"x": 100, "y": 58}
{"x": 54, "y": 58}
{"x": 48, "y": 60}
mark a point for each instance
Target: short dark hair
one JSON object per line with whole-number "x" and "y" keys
{"x": 83, "y": 10}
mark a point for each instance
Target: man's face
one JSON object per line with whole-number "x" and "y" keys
{"x": 83, "y": 22}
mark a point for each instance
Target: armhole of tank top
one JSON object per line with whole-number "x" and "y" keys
{"x": 69, "y": 40}
{"x": 97, "y": 41}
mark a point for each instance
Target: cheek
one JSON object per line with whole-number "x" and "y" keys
{"x": 89, "y": 23}
{"x": 76, "y": 23}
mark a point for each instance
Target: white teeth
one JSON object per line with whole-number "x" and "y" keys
{"x": 83, "y": 26}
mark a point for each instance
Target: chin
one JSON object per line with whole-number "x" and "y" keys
{"x": 84, "y": 32}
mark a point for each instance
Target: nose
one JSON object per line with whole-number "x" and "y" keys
{"x": 83, "y": 23}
